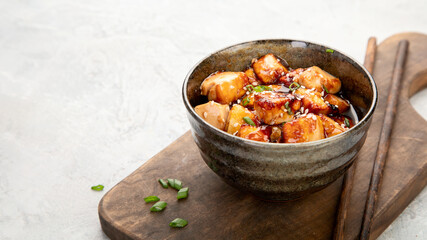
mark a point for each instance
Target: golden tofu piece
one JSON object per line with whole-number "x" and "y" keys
{"x": 331, "y": 127}
{"x": 276, "y": 134}
{"x": 269, "y": 69}
{"x": 249, "y": 99}
{"x": 341, "y": 120}
{"x": 235, "y": 118}
{"x": 305, "y": 129}
{"x": 253, "y": 133}
{"x": 289, "y": 77}
{"x": 272, "y": 108}
{"x": 225, "y": 87}
{"x": 313, "y": 101}
{"x": 315, "y": 77}
{"x": 214, "y": 113}
{"x": 337, "y": 102}
{"x": 252, "y": 77}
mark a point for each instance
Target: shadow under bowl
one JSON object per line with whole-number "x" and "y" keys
{"x": 275, "y": 171}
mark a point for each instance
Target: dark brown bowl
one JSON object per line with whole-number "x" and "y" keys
{"x": 281, "y": 171}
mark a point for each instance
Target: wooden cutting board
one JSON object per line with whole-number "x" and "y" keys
{"x": 215, "y": 210}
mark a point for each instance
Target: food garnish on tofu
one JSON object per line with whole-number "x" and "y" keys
{"x": 315, "y": 77}
{"x": 312, "y": 101}
{"x": 249, "y": 99}
{"x": 236, "y": 118}
{"x": 344, "y": 121}
{"x": 253, "y": 133}
{"x": 269, "y": 69}
{"x": 305, "y": 129}
{"x": 331, "y": 127}
{"x": 274, "y": 108}
{"x": 224, "y": 87}
{"x": 214, "y": 113}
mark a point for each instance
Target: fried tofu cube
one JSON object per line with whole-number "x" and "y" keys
{"x": 272, "y": 108}
{"x": 225, "y": 87}
{"x": 214, "y": 113}
{"x": 315, "y": 77}
{"x": 253, "y": 133}
{"x": 276, "y": 134}
{"x": 269, "y": 69}
{"x": 338, "y": 103}
{"x": 252, "y": 77}
{"x": 235, "y": 118}
{"x": 313, "y": 101}
{"x": 248, "y": 100}
{"x": 331, "y": 127}
{"x": 344, "y": 121}
{"x": 289, "y": 77}
{"x": 305, "y": 129}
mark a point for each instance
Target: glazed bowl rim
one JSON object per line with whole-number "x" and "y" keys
{"x": 229, "y": 136}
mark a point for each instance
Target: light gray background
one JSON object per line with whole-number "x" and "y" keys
{"x": 90, "y": 90}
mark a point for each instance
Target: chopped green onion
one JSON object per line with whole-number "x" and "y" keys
{"x": 158, "y": 206}
{"x": 267, "y": 88}
{"x": 346, "y": 122}
{"x": 182, "y": 193}
{"x": 178, "y": 223}
{"x": 288, "y": 108}
{"x": 246, "y": 101}
{"x": 262, "y": 88}
{"x": 249, "y": 121}
{"x": 151, "y": 199}
{"x": 97, "y": 187}
{"x": 258, "y": 88}
{"x": 324, "y": 88}
{"x": 249, "y": 87}
{"x": 329, "y": 50}
{"x": 175, "y": 183}
{"x": 294, "y": 86}
{"x": 164, "y": 183}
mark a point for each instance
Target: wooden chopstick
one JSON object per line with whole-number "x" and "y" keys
{"x": 384, "y": 142}
{"x": 347, "y": 184}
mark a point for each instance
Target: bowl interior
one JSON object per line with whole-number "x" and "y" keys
{"x": 357, "y": 84}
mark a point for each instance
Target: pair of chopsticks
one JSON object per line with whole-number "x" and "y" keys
{"x": 383, "y": 145}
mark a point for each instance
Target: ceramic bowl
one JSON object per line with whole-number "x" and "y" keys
{"x": 277, "y": 171}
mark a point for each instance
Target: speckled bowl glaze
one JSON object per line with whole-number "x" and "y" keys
{"x": 275, "y": 171}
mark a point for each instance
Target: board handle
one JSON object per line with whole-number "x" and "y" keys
{"x": 384, "y": 142}
{"x": 347, "y": 184}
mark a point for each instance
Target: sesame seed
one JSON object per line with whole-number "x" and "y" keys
{"x": 302, "y": 109}
{"x": 205, "y": 114}
{"x": 236, "y": 124}
{"x": 272, "y": 72}
{"x": 283, "y": 73}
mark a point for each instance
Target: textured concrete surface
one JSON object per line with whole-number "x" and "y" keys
{"x": 90, "y": 90}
